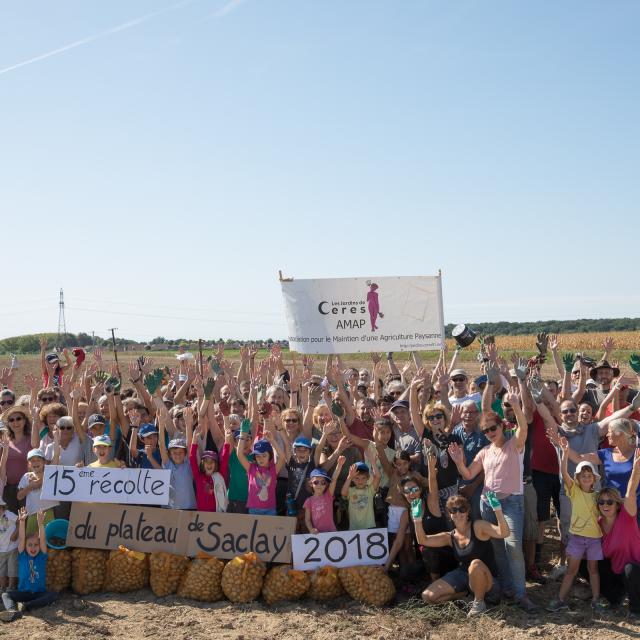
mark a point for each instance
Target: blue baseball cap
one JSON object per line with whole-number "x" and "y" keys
{"x": 302, "y": 442}
{"x": 362, "y": 466}
{"x": 236, "y": 434}
{"x": 320, "y": 473}
{"x": 147, "y": 429}
{"x": 262, "y": 446}
{"x": 481, "y": 380}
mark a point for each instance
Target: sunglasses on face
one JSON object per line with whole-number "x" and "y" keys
{"x": 411, "y": 490}
{"x": 5, "y": 402}
{"x": 506, "y": 405}
{"x": 458, "y": 379}
{"x": 609, "y": 502}
{"x": 65, "y": 428}
{"x": 318, "y": 482}
{"x": 457, "y": 510}
{"x": 435, "y": 416}
{"x": 291, "y": 420}
{"x": 47, "y": 399}
{"x": 565, "y": 411}
{"x": 16, "y": 419}
{"x": 490, "y": 429}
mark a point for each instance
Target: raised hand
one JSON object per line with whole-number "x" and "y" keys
{"x": 520, "y": 366}
{"x": 22, "y": 513}
{"x": 208, "y": 387}
{"x": 564, "y": 445}
{"x": 568, "y": 360}
{"x": 134, "y": 372}
{"x": 493, "y": 373}
{"x": 456, "y": 415}
{"x": 608, "y": 344}
{"x": 635, "y": 403}
{"x": 553, "y": 342}
{"x": 493, "y": 501}
{"x": 542, "y": 342}
{"x": 112, "y": 385}
{"x": 97, "y": 355}
{"x": 6, "y": 377}
{"x": 153, "y": 380}
{"x": 456, "y": 453}
{"x": 32, "y": 382}
{"x": 375, "y": 358}
{"x": 634, "y": 363}
{"x": 100, "y": 376}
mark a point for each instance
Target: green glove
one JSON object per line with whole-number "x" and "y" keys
{"x": 208, "y": 387}
{"x": 569, "y": 360}
{"x": 153, "y": 380}
{"x": 634, "y": 362}
{"x": 113, "y": 384}
{"x": 336, "y": 409}
{"x": 245, "y": 427}
{"x": 417, "y": 508}
{"x": 215, "y": 366}
{"x": 493, "y": 501}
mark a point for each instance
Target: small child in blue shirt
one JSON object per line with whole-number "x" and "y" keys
{"x": 32, "y": 565}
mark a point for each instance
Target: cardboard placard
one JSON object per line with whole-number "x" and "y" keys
{"x": 223, "y": 535}
{"x": 100, "y": 484}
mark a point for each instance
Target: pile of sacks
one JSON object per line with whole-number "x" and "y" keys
{"x": 208, "y": 579}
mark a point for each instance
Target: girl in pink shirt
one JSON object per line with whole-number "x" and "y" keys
{"x": 211, "y": 491}
{"x": 318, "y": 508}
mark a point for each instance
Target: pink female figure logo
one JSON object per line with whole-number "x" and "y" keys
{"x": 373, "y": 304}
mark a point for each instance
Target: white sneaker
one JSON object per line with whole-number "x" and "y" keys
{"x": 558, "y": 571}
{"x": 478, "y": 607}
{"x": 8, "y": 603}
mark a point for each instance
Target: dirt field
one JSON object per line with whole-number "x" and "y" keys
{"x": 141, "y": 615}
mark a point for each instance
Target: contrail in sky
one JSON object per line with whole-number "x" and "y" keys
{"x": 226, "y": 9}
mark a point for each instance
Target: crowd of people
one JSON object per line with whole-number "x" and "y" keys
{"x": 462, "y": 472}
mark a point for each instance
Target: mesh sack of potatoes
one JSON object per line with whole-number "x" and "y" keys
{"x": 242, "y": 578}
{"x": 126, "y": 570}
{"x": 325, "y": 584}
{"x": 88, "y": 570}
{"x": 284, "y": 583}
{"x": 202, "y": 580}
{"x": 165, "y": 571}
{"x": 58, "y": 569}
{"x": 370, "y": 585}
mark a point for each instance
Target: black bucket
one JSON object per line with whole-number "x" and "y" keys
{"x": 463, "y": 335}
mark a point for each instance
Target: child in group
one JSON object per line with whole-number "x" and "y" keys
{"x": 366, "y": 479}
{"x": 318, "y": 509}
{"x": 584, "y": 533}
{"x": 211, "y": 490}
{"x": 304, "y": 459}
{"x": 234, "y": 473}
{"x": 174, "y": 458}
{"x": 8, "y": 545}
{"x": 263, "y": 473}
{"x": 148, "y": 434}
{"x": 32, "y": 565}
{"x": 102, "y": 450}
{"x": 29, "y": 489}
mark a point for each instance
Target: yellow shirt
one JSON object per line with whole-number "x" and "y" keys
{"x": 112, "y": 464}
{"x": 584, "y": 513}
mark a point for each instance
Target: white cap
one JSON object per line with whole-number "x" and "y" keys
{"x": 585, "y": 464}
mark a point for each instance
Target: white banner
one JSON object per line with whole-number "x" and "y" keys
{"x": 340, "y": 549}
{"x": 353, "y": 315}
{"x": 123, "y": 486}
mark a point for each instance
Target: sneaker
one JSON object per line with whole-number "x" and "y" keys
{"x": 599, "y": 605}
{"x": 21, "y": 607}
{"x": 8, "y": 603}
{"x": 534, "y": 575}
{"x": 478, "y": 607}
{"x": 557, "y": 605}
{"x": 10, "y": 615}
{"x": 558, "y": 571}
{"x": 527, "y": 606}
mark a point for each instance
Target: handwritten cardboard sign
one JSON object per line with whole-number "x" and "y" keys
{"x": 91, "y": 484}
{"x": 223, "y": 535}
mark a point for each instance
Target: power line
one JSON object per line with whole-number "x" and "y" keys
{"x": 163, "y": 317}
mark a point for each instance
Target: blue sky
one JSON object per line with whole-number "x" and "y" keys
{"x": 163, "y": 172}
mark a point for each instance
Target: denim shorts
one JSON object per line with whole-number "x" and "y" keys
{"x": 583, "y": 547}
{"x": 263, "y": 512}
{"x": 458, "y": 579}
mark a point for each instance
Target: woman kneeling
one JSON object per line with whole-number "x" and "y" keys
{"x": 472, "y": 549}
